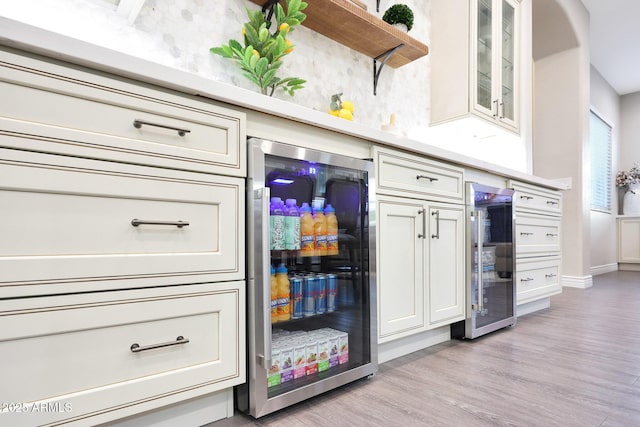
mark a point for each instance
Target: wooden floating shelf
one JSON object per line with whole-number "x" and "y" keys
{"x": 354, "y": 27}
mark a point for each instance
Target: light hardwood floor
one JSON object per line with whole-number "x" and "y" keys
{"x": 575, "y": 364}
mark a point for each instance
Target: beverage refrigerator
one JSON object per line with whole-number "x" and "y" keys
{"x": 491, "y": 288}
{"x": 311, "y": 302}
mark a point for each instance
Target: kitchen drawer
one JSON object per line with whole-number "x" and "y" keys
{"x": 537, "y": 234}
{"x": 537, "y": 278}
{"x": 529, "y": 198}
{"x": 70, "y": 226}
{"x": 78, "y": 354}
{"x": 145, "y": 125}
{"x": 404, "y": 175}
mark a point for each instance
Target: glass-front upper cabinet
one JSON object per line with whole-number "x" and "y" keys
{"x": 475, "y": 70}
{"x": 495, "y": 60}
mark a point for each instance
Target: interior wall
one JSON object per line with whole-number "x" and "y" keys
{"x": 605, "y": 102}
{"x": 629, "y": 130}
{"x": 561, "y": 123}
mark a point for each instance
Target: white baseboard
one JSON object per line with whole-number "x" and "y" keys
{"x": 530, "y": 307}
{"x": 583, "y": 282}
{"x": 403, "y": 346}
{"x": 602, "y": 269}
{"x": 195, "y": 412}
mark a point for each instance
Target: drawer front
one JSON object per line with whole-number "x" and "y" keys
{"x": 530, "y": 198}
{"x": 536, "y": 235}
{"x": 90, "y": 366}
{"x": 411, "y": 176}
{"x": 146, "y": 126}
{"x": 65, "y": 228}
{"x": 536, "y": 278}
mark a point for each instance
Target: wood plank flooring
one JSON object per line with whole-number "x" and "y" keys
{"x": 575, "y": 364}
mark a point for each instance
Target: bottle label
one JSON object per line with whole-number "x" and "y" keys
{"x": 332, "y": 244}
{"x": 277, "y": 232}
{"x": 321, "y": 243}
{"x": 291, "y": 231}
{"x": 307, "y": 243}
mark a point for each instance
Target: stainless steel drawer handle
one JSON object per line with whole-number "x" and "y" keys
{"x": 430, "y": 178}
{"x": 552, "y": 235}
{"x": 549, "y": 275}
{"x": 136, "y": 348}
{"x": 437, "y": 235}
{"x": 136, "y": 222}
{"x": 528, "y": 279}
{"x": 551, "y": 202}
{"x": 138, "y": 124}
{"x": 526, "y": 197}
{"x": 526, "y": 234}
{"x": 423, "y": 212}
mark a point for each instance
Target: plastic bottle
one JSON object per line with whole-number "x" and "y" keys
{"x": 332, "y": 230}
{"x": 276, "y": 219}
{"x": 274, "y": 296}
{"x": 291, "y": 226}
{"x": 307, "y": 234}
{"x": 284, "y": 293}
{"x": 320, "y": 230}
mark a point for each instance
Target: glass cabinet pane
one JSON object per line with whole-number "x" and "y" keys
{"x": 484, "y": 54}
{"x": 508, "y": 57}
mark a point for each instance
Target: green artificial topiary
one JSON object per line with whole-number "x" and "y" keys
{"x": 399, "y": 14}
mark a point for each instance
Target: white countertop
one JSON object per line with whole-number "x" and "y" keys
{"x": 36, "y": 40}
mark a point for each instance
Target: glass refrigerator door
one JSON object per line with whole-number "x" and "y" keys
{"x": 493, "y": 301}
{"x": 313, "y": 281}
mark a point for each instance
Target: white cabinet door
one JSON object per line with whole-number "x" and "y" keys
{"x": 446, "y": 264}
{"x": 401, "y": 250}
{"x": 495, "y": 29}
{"x": 629, "y": 239}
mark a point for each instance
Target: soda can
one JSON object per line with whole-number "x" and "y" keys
{"x": 332, "y": 292}
{"x": 321, "y": 293}
{"x": 296, "y": 297}
{"x": 309, "y": 295}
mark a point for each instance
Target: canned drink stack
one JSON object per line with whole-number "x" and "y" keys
{"x": 321, "y": 294}
{"x": 309, "y": 295}
{"x": 332, "y": 292}
{"x": 296, "y": 297}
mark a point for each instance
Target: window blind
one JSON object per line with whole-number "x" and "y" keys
{"x": 601, "y": 174}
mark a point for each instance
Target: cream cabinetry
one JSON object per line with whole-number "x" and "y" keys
{"x": 538, "y": 236}
{"x": 123, "y": 285}
{"x": 629, "y": 241}
{"x": 476, "y": 69}
{"x": 96, "y": 354}
{"x": 420, "y": 243}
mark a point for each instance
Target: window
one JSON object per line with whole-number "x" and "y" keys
{"x": 601, "y": 177}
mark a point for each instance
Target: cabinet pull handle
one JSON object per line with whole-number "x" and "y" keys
{"x": 551, "y": 202}
{"x": 136, "y": 348}
{"x": 528, "y": 279}
{"x": 495, "y": 113}
{"x": 549, "y": 275}
{"x": 430, "y": 178}
{"x": 502, "y": 110}
{"x": 526, "y": 197}
{"x": 524, "y": 233}
{"x": 136, "y": 222}
{"x": 437, "y": 235}
{"x": 138, "y": 124}
{"x": 423, "y": 212}
{"x": 552, "y": 234}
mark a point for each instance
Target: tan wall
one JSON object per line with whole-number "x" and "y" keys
{"x": 561, "y": 127}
